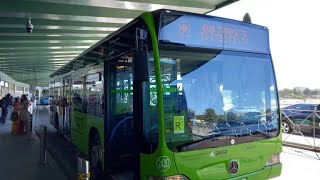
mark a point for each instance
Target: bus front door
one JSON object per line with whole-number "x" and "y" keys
{"x": 67, "y": 106}
{"x": 121, "y": 150}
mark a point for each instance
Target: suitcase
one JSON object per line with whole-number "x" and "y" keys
{"x": 15, "y": 127}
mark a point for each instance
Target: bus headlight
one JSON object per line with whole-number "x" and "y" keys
{"x": 176, "y": 177}
{"x": 275, "y": 159}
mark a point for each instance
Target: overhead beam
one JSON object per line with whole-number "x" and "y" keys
{"x": 58, "y": 17}
{"x": 142, "y": 6}
{"x": 23, "y": 68}
{"x": 53, "y": 31}
{"x": 44, "y": 57}
{"x": 49, "y": 38}
{"x": 66, "y": 9}
{"x": 17, "y": 64}
{"x": 49, "y": 50}
{"x": 34, "y": 63}
{"x": 44, "y": 35}
{"x": 189, "y": 3}
{"x": 47, "y": 22}
{"x": 25, "y": 42}
{"x": 33, "y": 46}
{"x": 23, "y": 26}
{"x": 23, "y": 54}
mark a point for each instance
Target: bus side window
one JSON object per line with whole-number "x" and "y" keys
{"x": 84, "y": 104}
{"x": 95, "y": 91}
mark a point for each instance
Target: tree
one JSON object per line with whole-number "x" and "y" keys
{"x": 232, "y": 116}
{"x": 315, "y": 92}
{"x": 210, "y": 115}
{"x": 295, "y": 93}
{"x": 286, "y": 93}
{"x": 307, "y": 92}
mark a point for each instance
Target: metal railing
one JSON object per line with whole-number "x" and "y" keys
{"x": 301, "y": 129}
{"x": 205, "y": 128}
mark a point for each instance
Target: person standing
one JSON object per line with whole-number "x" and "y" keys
{"x": 6, "y": 104}
{"x": 15, "y": 111}
{"x": 24, "y": 113}
{"x": 15, "y": 116}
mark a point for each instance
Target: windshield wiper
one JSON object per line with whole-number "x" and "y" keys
{"x": 250, "y": 131}
{"x": 200, "y": 141}
{"x": 225, "y": 134}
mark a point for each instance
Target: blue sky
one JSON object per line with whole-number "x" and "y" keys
{"x": 294, "y": 36}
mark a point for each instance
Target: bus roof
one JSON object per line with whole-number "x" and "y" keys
{"x": 84, "y": 59}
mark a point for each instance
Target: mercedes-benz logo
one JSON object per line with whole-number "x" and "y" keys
{"x": 233, "y": 167}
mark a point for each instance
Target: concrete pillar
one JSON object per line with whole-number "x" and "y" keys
{"x": 32, "y": 90}
{"x": 1, "y": 88}
{"x": 14, "y": 90}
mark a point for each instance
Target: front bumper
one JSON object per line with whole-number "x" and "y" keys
{"x": 266, "y": 173}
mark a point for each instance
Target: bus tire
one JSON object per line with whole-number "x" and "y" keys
{"x": 95, "y": 156}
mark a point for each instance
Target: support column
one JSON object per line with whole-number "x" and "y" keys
{"x": 14, "y": 90}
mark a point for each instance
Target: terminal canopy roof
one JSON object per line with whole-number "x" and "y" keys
{"x": 63, "y": 29}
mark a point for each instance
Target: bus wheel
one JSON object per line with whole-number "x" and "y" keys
{"x": 95, "y": 157}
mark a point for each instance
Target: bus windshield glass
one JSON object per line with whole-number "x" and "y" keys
{"x": 217, "y": 98}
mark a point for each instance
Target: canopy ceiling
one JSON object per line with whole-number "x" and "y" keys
{"x": 65, "y": 28}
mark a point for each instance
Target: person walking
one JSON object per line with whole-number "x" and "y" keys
{"x": 6, "y": 104}
{"x": 24, "y": 113}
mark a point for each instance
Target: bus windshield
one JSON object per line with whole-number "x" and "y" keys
{"x": 217, "y": 98}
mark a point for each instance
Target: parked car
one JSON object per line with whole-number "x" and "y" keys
{"x": 301, "y": 118}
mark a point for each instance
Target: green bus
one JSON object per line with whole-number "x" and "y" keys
{"x": 174, "y": 95}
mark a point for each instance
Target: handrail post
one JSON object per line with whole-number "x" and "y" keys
{"x": 314, "y": 128}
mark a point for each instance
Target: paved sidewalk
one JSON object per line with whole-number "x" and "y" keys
{"x": 19, "y": 157}
{"x": 62, "y": 150}
{"x": 299, "y": 164}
